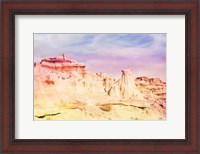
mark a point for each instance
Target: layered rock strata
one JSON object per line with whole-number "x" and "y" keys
{"x": 63, "y": 63}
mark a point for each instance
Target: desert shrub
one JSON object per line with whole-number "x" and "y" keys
{"x": 106, "y": 107}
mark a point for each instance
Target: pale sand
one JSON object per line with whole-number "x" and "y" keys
{"x": 95, "y": 111}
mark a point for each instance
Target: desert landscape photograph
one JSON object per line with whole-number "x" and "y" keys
{"x": 96, "y": 76}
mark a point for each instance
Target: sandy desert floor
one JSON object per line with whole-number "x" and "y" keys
{"x": 106, "y": 110}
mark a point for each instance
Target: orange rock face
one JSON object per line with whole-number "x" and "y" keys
{"x": 49, "y": 82}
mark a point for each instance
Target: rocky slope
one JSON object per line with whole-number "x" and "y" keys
{"x": 154, "y": 90}
{"x": 65, "y": 90}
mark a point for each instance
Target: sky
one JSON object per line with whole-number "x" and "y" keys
{"x": 144, "y": 53}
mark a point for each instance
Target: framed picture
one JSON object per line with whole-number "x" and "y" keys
{"x": 100, "y": 76}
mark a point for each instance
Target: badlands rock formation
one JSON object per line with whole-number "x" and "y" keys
{"x": 125, "y": 86}
{"x": 65, "y": 90}
{"x": 63, "y": 63}
{"x": 153, "y": 90}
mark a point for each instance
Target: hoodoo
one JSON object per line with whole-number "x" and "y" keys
{"x": 125, "y": 86}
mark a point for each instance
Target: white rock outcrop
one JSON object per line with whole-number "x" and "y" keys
{"x": 125, "y": 87}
